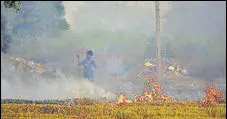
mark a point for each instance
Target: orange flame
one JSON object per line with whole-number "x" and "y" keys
{"x": 212, "y": 96}
{"x": 155, "y": 93}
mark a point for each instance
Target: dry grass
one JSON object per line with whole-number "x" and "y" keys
{"x": 127, "y": 111}
{"x": 152, "y": 104}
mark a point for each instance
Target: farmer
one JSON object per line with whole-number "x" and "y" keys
{"x": 88, "y": 65}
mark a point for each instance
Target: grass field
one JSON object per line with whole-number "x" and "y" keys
{"x": 151, "y": 110}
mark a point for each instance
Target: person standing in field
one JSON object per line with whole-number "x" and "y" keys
{"x": 88, "y": 66}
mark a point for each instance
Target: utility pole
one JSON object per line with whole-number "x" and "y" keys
{"x": 158, "y": 50}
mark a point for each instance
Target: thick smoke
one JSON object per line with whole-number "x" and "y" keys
{"x": 121, "y": 34}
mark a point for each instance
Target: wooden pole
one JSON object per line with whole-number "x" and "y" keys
{"x": 158, "y": 50}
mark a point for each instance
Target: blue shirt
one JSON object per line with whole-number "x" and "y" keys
{"x": 88, "y": 66}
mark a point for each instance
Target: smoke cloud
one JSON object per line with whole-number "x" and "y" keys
{"x": 121, "y": 34}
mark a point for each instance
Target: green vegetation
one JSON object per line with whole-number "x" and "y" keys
{"x": 16, "y": 5}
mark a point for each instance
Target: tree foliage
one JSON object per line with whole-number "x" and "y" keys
{"x": 16, "y": 5}
{"x": 35, "y": 20}
{"x": 5, "y": 37}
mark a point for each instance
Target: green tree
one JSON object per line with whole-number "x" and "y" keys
{"x": 36, "y": 20}
{"x": 5, "y": 37}
{"x": 16, "y": 5}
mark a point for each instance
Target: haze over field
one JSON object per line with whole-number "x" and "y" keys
{"x": 193, "y": 33}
